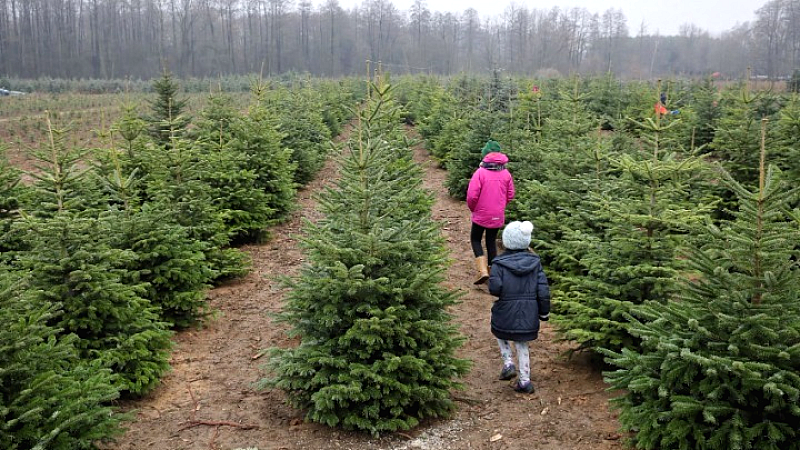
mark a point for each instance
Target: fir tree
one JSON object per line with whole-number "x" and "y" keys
{"x": 719, "y": 366}
{"x": 10, "y": 190}
{"x": 555, "y": 173}
{"x": 499, "y": 93}
{"x": 304, "y": 133}
{"x": 129, "y": 158}
{"x": 62, "y": 179}
{"x": 243, "y": 207}
{"x": 607, "y": 100}
{"x": 177, "y": 186}
{"x": 645, "y": 213}
{"x": 168, "y": 260}
{"x": 489, "y": 119}
{"x": 256, "y": 136}
{"x": 706, "y": 112}
{"x": 71, "y": 266}
{"x": 419, "y": 98}
{"x": 482, "y": 125}
{"x": 737, "y": 138}
{"x": 168, "y": 117}
{"x": 49, "y": 399}
{"x": 377, "y": 349}
{"x": 444, "y": 145}
{"x": 787, "y": 139}
{"x": 170, "y": 264}
{"x": 338, "y": 98}
{"x": 443, "y": 125}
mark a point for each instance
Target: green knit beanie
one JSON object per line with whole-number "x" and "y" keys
{"x": 491, "y": 146}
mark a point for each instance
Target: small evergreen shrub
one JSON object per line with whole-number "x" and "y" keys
{"x": 49, "y": 398}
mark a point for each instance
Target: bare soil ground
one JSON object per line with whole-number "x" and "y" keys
{"x": 208, "y": 401}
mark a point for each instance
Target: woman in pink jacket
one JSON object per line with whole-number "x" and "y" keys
{"x": 489, "y": 191}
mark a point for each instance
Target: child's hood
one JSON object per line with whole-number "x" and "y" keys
{"x": 519, "y": 263}
{"x": 496, "y": 158}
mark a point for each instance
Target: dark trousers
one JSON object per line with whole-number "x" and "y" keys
{"x": 475, "y": 237}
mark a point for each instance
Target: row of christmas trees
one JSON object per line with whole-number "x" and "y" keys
{"x": 376, "y": 350}
{"x": 672, "y": 248}
{"x": 107, "y": 251}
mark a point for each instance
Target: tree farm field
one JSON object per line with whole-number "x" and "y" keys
{"x": 82, "y": 119}
{"x": 208, "y": 400}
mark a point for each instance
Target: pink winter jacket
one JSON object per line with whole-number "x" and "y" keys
{"x": 489, "y": 191}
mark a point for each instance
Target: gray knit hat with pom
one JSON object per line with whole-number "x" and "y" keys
{"x": 517, "y": 235}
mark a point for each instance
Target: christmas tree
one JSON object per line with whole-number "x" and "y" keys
{"x": 376, "y": 348}
{"x": 72, "y": 265}
{"x": 643, "y": 213}
{"x": 556, "y": 171}
{"x": 737, "y": 139}
{"x": 787, "y": 139}
{"x": 257, "y": 137}
{"x": 10, "y": 190}
{"x": 243, "y": 207}
{"x": 703, "y": 114}
{"x": 489, "y": 120}
{"x": 177, "y": 185}
{"x": 719, "y": 365}
{"x": 170, "y": 263}
{"x": 49, "y": 399}
{"x": 62, "y": 178}
{"x": 304, "y": 133}
{"x": 168, "y": 117}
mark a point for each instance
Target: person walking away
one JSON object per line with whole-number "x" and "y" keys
{"x": 490, "y": 189}
{"x": 519, "y": 282}
{"x": 490, "y": 147}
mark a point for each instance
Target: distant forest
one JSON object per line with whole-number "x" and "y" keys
{"x": 208, "y": 38}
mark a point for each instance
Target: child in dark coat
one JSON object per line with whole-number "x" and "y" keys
{"x": 518, "y": 280}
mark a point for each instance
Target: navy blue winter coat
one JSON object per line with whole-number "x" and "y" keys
{"x": 518, "y": 279}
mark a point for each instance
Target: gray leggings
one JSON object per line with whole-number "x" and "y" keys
{"x": 523, "y": 356}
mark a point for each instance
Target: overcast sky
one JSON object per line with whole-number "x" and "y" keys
{"x": 664, "y": 16}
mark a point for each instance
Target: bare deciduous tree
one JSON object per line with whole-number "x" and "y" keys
{"x": 134, "y": 38}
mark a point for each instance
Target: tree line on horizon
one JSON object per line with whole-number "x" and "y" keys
{"x": 196, "y": 38}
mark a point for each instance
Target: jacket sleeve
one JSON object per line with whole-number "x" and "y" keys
{"x": 543, "y": 296}
{"x": 474, "y": 190}
{"x": 496, "y": 280}
{"x": 511, "y": 191}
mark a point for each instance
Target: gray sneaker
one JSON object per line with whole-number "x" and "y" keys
{"x": 508, "y": 372}
{"x": 525, "y": 388}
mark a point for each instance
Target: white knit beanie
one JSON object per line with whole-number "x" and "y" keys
{"x": 517, "y": 235}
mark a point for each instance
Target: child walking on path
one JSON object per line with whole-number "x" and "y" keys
{"x": 490, "y": 189}
{"x": 518, "y": 280}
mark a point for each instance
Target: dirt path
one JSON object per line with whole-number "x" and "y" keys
{"x": 208, "y": 400}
